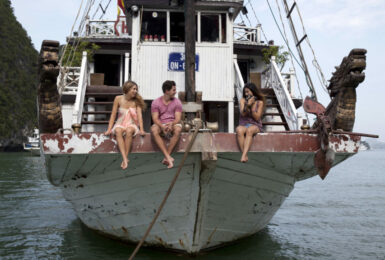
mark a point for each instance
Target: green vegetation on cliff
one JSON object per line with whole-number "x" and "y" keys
{"x": 18, "y": 78}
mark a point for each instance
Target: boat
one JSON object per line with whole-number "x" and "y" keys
{"x": 33, "y": 143}
{"x": 217, "y": 199}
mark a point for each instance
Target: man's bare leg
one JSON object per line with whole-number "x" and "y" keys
{"x": 155, "y": 131}
{"x": 174, "y": 139}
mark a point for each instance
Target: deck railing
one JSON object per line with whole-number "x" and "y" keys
{"x": 107, "y": 28}
{"x": 68, "y": 80}
{"x": 247, "y": 35}
{"x": 81, "y": 91}
{"x": 275, "y": 80}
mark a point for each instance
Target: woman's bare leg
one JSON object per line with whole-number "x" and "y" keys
{"x": 241, "y": 131}
{"x": 249, "y": 138}
{"x": 128, "y": 141}
{"x": 119, "y": 138}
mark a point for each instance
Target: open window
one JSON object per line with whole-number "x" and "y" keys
{"x": 177, "y": 27}
{"x": 209, "y": 28}
{"x": 154, "y": 26}
{"x": 177, "y": 24}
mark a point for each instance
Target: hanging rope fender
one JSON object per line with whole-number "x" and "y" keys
{"x": 188, "y": 149}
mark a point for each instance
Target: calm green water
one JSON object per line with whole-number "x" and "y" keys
{"x": 342, "y": 217}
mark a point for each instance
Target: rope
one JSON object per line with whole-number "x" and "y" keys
{"x": 80, "y": 29}
{"x": 97, "y": 9}
{"x": 291, "y": 55}
{"x": 77, "y": 16}
{"x": 255, "y": 15}
{"x": 287, "y": 44}
{"x": 320, "y": 74}
{"x": 198, "y": 126}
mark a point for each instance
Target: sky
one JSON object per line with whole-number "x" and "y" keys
{"x": 334, "y": 27}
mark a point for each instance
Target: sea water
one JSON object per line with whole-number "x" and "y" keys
{"x": 342, "y": 217}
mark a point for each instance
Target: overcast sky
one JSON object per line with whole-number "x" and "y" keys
{"x": 334, "y": 27}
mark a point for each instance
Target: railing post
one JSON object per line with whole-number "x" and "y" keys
{"x": 259, "y": 33}
{"x": 88, "y": 27}
{"x": 126, "y": 66}
{"x": 81, "y": 91}
{"x": 238, "y": 80}
{"x": 292, "y": 79}
{"x": 231, "y": 116}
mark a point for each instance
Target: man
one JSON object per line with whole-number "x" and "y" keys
{"x": 166, "y": 112}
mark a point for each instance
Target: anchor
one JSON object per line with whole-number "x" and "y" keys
{"x": 324, "y": 157}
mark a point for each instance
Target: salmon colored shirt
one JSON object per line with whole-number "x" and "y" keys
{"x": 166, "y": 112}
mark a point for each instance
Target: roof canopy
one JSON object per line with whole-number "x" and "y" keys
{"x": 171, "y": 3}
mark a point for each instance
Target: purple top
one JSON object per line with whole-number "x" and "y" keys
{"x": 245, "y": 120}
{"x": 166, "y": 112}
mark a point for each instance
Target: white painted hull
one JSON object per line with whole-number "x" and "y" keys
{"x": 211, "y": 204}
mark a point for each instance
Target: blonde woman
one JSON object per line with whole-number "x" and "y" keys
{"x": 130, "y": 121}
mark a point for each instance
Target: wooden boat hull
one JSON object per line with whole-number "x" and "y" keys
{"x": 216, "y": 199}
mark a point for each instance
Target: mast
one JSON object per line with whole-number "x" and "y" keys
{"x": 189, "y": 14}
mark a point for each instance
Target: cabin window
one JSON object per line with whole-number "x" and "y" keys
{"x": 154, "y": 26}
{"x": 223, "y": 27}
{"x": 177, "y": 27}
{"x": 211, "y": 25}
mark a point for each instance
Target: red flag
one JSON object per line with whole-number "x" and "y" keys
{"x": 120, "y": 6}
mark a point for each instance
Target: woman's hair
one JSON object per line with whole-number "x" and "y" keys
{"x": 138, "y": 98}
{"x": 257, "y": 92}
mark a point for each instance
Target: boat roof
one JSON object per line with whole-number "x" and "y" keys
{"x": 167, "y": 3}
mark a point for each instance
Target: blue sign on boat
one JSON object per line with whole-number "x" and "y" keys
{"x": 176, "y": 61}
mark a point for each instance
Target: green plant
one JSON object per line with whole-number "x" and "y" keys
{"x": 72, "y": 57}
{"x": 280, "y": 57}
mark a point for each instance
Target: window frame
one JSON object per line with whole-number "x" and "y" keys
{"x": 199, "y": 31}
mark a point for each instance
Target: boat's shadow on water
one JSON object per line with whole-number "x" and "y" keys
{"x": 81, "y": 242}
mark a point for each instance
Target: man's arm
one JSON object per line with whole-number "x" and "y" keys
{"x": 155, "y": 119}
{"x": 178, "y": 117}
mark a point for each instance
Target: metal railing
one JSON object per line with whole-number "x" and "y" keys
{"x": 81, "y": 91}
{"x": 247, "y": 35}
{"x": 274, "y": 80}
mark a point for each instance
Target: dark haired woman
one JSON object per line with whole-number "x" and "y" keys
{"x": 252, "y": 105}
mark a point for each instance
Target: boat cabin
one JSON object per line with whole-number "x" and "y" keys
{"x": 147, "y": 46}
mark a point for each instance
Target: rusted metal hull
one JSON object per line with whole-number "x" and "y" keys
{"x": 216, "y": 199}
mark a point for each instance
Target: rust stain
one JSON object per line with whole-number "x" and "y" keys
{"x": 161, "y": 241}
{"x": 125, "y": 230}
{"x": 211, "y": 236}
{"x": 181, "y": 242}
{"x": 70, "y": 150}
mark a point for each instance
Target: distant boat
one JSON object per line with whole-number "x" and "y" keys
{"x": 33, "y": 144}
